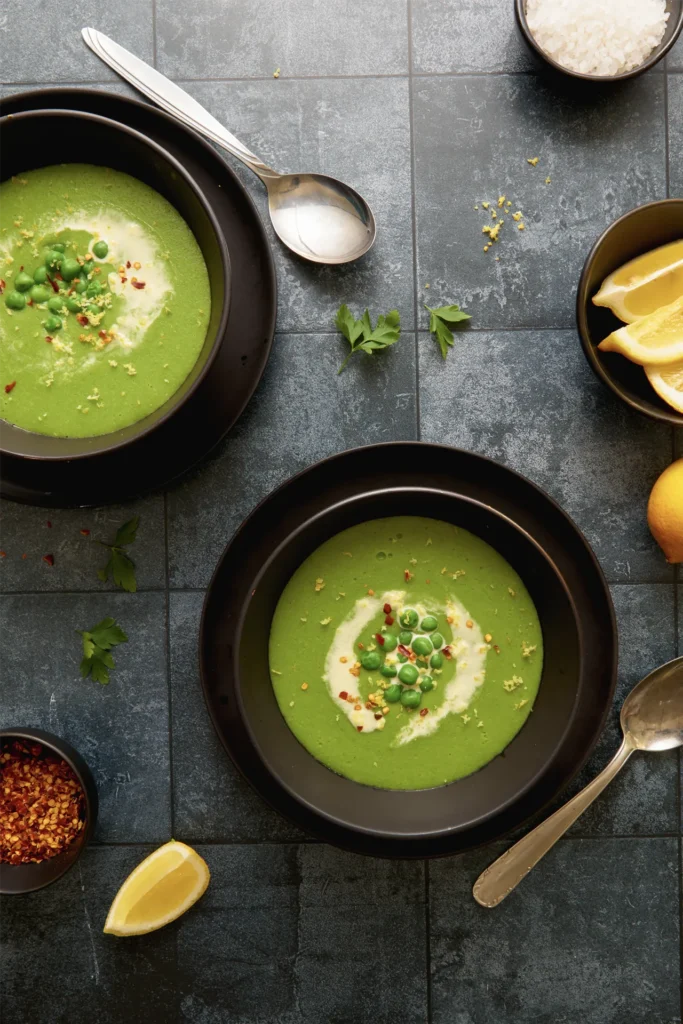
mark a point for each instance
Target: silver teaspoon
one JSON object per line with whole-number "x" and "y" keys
{"x": 318, "y": 217}
{"x": 651, "y": 719}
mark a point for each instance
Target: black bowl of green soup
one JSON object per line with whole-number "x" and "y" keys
{"x": 408, "y": 649}
{"x": 115, "y": 285}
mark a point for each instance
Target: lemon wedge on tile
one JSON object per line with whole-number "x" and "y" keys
{"x": 655, "y": 339}
{"x": 667, "y": 381}
{"x": 665, "y": 512}
{"x": 161, "y": 888}
{"x": 644, "y": 284}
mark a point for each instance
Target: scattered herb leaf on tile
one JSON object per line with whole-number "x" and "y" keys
{"x": 97, "y": 644}
{"x": 360, "y": 334}
{"x": 439, "y": 319}
{"x": 120, "y": 567}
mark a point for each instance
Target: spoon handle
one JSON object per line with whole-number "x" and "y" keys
{"x": 172, "y": 98}
{"x": 501, "y": 877}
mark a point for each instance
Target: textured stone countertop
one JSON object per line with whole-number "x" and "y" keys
{"x": 427, "y": 107}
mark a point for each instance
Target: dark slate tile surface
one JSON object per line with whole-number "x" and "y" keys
{"x": 77, "y": 558}
{"x": 674, "y": 59}
{"x": 301, "y": 37}
{"x": 38, "y": 45}
{"x": 302, "y": 412}
{"x": 467, "y": 35}
{"x": 588, "y": 936}
{"x": 356, "y": 130}
{"x": 57, "y": 966}
{"x": 529, "y": 399}
{"x": 604, "y": 154}
{"x": 212, "y": 802}
{"x": 675, "y": 83}
{"x": 308, "y": 934}
{"x": 120, "y": 729}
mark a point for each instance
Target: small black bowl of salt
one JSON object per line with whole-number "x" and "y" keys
{"x": 600, "y": 41}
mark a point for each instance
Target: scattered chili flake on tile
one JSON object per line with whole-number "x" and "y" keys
{"x": 85, "y": 533}
{"x": 3, "y": 554}
{"x": 48, "y": 524}
{"x": 10, "y": 387}
{"x": 50, "y": 559}
{"x": 42, "y": 806}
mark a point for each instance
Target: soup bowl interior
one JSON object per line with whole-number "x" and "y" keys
{"x": 22, "y": 878}
{"x": 637, "y": 232}
{"x": 46, "y": 137}
{"x": 460, "y": 805}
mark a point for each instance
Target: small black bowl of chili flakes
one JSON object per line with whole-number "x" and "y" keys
{"x": 48, "y": 807}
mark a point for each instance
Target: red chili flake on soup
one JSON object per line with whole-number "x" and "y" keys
{"x": 48, "y": 339}
{"x": 360, "y": 728}
{"x": 2, "y": 286}
{"x": 387, "y": 608}
{"x": 424, "y": 712}
{"x": 82, "y": 319}
{"x": 138, "y": 284}
{"x": 10, "y": 387}
{"x": 389, "y": 620}
{"x": 446, "y": 651}
{"x": 343, "y": 695}
{"x": 402, "y": 649}
{"x": 380, "y": 639}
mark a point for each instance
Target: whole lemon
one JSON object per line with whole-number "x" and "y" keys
{"x": 665, "y": 512}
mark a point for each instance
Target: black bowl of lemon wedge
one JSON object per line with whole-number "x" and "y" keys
{"x": 630, "y": 309}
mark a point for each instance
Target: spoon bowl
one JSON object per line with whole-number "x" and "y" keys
{"x": 319, "y": 217}
{"x": 652, "y": 715}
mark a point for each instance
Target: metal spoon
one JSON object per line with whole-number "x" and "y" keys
{"x": 651, "y": 719}
{"x": 318, "y": 217}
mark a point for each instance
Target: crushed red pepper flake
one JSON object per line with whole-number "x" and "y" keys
{"x": 424, "y": 712}
{"x": 85, "y": 533}
{"x": 387, "y": 608}
{"x": 380, "y": 639}
{"x": 48, "y": 339}
{"x": 55, "y": 286}
{"x": 377, "y": 717}
{"x": 407, "y": 575}
{"x": 48, "y": 524}
{"x": 3, "y": 554}
{"x": 446, "y": 651}
{"x": 50, "y": 559}
{"x": 138, "y": 284}
{"x": 402, "y": 649}
{"x": 82, "y": 319}
{"x": 128, "y": 264}
{"x": 343, "y": 694}
{"x": 42, "y": 806}
{"x": 10, "y": 387}
{"x": 2, "y": 286}
{"x": 388, "y": 620}
{"x": 360, "y": 728}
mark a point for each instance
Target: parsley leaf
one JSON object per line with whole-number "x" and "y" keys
{"x": 97, "y": 644}
{"x": 438, "y": 320}
{"x": 360, "y": 334}
{"x": 120, "y": 567}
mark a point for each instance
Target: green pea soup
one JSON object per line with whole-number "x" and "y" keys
{"x": 405, "y": 653}
{"x": 105, "y": 300}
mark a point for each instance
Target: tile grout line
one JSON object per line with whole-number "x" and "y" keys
{"x": 413, "y": 212}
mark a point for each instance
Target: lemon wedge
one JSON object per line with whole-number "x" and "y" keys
{"x": 665, "y": 512}
{"x": 644, "y": 284}
{"x": 655, "y": 339}
{"x": 668, "y": 383}
{"x": 161, "y": 888}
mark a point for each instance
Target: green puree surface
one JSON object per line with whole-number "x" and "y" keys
{"x": 375, "y": 556}
{"x": 134, "y": 346}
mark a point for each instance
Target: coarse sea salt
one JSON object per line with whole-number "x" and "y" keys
{"x": 597, "y": 37}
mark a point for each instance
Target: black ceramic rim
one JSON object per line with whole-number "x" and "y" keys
{"x": 177, "y": 168}
{"x": 661, "y": 51}
{"x": 156, "y": 461}
{"x": 23, "y": 878}
{"x": 583, "y": 298}
{"x": 554, "y": 533}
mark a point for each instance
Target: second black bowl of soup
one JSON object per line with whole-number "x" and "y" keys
{"x": 115, "y": 285}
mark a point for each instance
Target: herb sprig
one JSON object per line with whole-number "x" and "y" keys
{"x": 120, "y": 566}
{"x": 97, "y": 644}
{"x": 439, "y": 319}
{"x": 360, "y": 333}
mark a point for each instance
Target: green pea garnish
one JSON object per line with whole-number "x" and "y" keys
{"x": 94, "y": 289}
{"x": 39, "y": 293}
{"x": 54, "y": 259}
{"x": 390, "y": 642}
{"x": 405, "y": 638}
{"x": 15, "y": 300}
{"x": 40, "y": 275}
{"x": 408, "y": 674}
{"x": 428, "y": 624}
{"x": 436, "y": 660}
{"x": 437, "y": 641}
{"x": 88, "y": 266}
{"x": 70, "y": 269}
{"x": 388, "y": 671}
{"x": 72, "y": 304}
{"x": 95, "y": 310}
{"x": 409, "y": 618}
{"x": 23, "y": 281}
{"x": 58, "y": 246}
{"x": 392, "y": 694}
{"x": 371, "y": 660}
{"x": 81, "y": 285}
{"x": 422, "y": 646}
{"x": 411, "y": 698}
{"x": 55, "y": 304}
{"x": 100, "y": 249}
{"x": 402, "y": 658}
{"x": 53, "y": 323}
{"x": 426, "y": 684}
